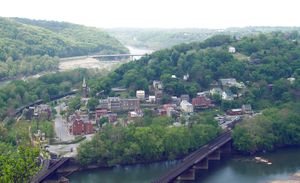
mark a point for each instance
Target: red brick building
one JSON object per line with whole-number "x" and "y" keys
{"x": 78, "y": 127}
{"x": 202, "y": 102}
{"x": 100, "y": 113}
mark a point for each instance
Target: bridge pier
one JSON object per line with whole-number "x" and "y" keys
{"x": 226, "y": 148}
{"x": 202, "y": 165}
{"x": 189, "y": 174}
{"x": 216, "y": 155}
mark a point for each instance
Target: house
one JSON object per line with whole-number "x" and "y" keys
{"x": 185, "y": 97}
{"x": 173, "y": 76}
{"x": 175, "y": 100}
{"x": 230, "y": 82}
{"x": 291, "y": 80}
{"x": 216, "y": 91}
{"x": 79, "y": 126}
{"x": 100, "y": 113}
{"x": 170, "y": 109}
{"x": 103, "y": 104}
{"x": 42, "y": 111}
{"x": 247, "y": 109}
{"x": 157, "y": 85}
{"x": 202, "y": 102}
{"x": 231, "y": 49}
{"x": 227, "y": 95}
{"x": 135, "y": 114}
{"x": 130, "y": 104}
{"x": 140, "y": 94}
{"x": 112, "y": 117}
{"x": 114, "y": 103}
{"x": 234, "y": 112}
{"x": 158, "y": 94}
{"x": 186, "y": 77}
{"x": 152, "y": 99}
{"x": 185, "y": 106}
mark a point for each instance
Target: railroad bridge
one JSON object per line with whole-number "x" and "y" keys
{"x": 186, "y": 170}
{"x": 51, "y": 168}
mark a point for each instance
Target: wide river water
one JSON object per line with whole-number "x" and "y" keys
{"x": 232, "y": 169}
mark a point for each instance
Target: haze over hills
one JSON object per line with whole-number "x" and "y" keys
{"x": 157, "y": 38}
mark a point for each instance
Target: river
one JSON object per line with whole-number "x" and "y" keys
{"x": 232, "y": 169}
{"x": 88, "y": 63}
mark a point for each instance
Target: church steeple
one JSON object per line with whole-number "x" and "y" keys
{"x": 84, "y": 83}
{"x": 85, "y": 89}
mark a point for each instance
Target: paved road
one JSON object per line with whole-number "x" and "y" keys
{"x": 61, "y": 129}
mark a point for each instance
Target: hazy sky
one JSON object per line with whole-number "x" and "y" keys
{"x": 159, "y": 13}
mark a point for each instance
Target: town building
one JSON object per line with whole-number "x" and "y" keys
{"x": 42, "y": 112}
{"x": 140, "y": 94}
{"x": 135, "y": 114}
{"x": 99, "y": 113}
{"x": 234, "y": 112}
{"x": 158, "y": 95}
{"x": 202, "y": 102}
{"x": 116, "y": 104}
{"x": 247, "y": 109}
{"x": 112, "y": 117}
{"x": 80, "y": 127}
{"x": 291, "y": 80}
{"x": 185, "y": 97}
{"x": 230, "y": 82}
{"x": 152, "y": 99}
{"x": 231, "y": 49}
{"x": 85, "y": 89}
{"x": 185, "y": 106}
{"x": 157, "y": 85}
{"x": 130, "y": 104}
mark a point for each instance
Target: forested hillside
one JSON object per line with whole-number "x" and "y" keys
{"x": 23, "y": 37}
{"x": 263, "y": 62}
{"x": 73, "y": 39}
{"x": 29, "y": 46}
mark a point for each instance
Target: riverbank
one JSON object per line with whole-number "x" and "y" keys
{"x": 295, "y": 178}
{"x": 234, "y": 169}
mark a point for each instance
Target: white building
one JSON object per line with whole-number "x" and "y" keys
{"x": 231, "y": 49}
{"x": 185, "y": 106}
{"x": 152, "y": 98}
{"x": 291, "y": 80}
{"x": 140, "y": 94}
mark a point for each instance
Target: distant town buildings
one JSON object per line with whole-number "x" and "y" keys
{"x": 115, "y": 104}
{"x": 185, "y": 106}
{"x": 140, "y": 94}
{"x": 202, "y": 102}
{"x": 80, "y": 126}
{"x": 231, "y": 49}
{"x": 85, "y": 89}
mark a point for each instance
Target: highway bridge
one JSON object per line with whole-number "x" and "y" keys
{"x": 103, "y": 56}
{"x": 198, "y": 160}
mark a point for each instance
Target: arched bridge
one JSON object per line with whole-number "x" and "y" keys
{"x": 198, "y": 159}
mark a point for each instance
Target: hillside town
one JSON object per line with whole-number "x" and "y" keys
{"x": 124, "y": 111}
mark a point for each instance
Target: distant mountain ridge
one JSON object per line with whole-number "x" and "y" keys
{"x": 156, "y": 38}
{"x": 21, "y": 37}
